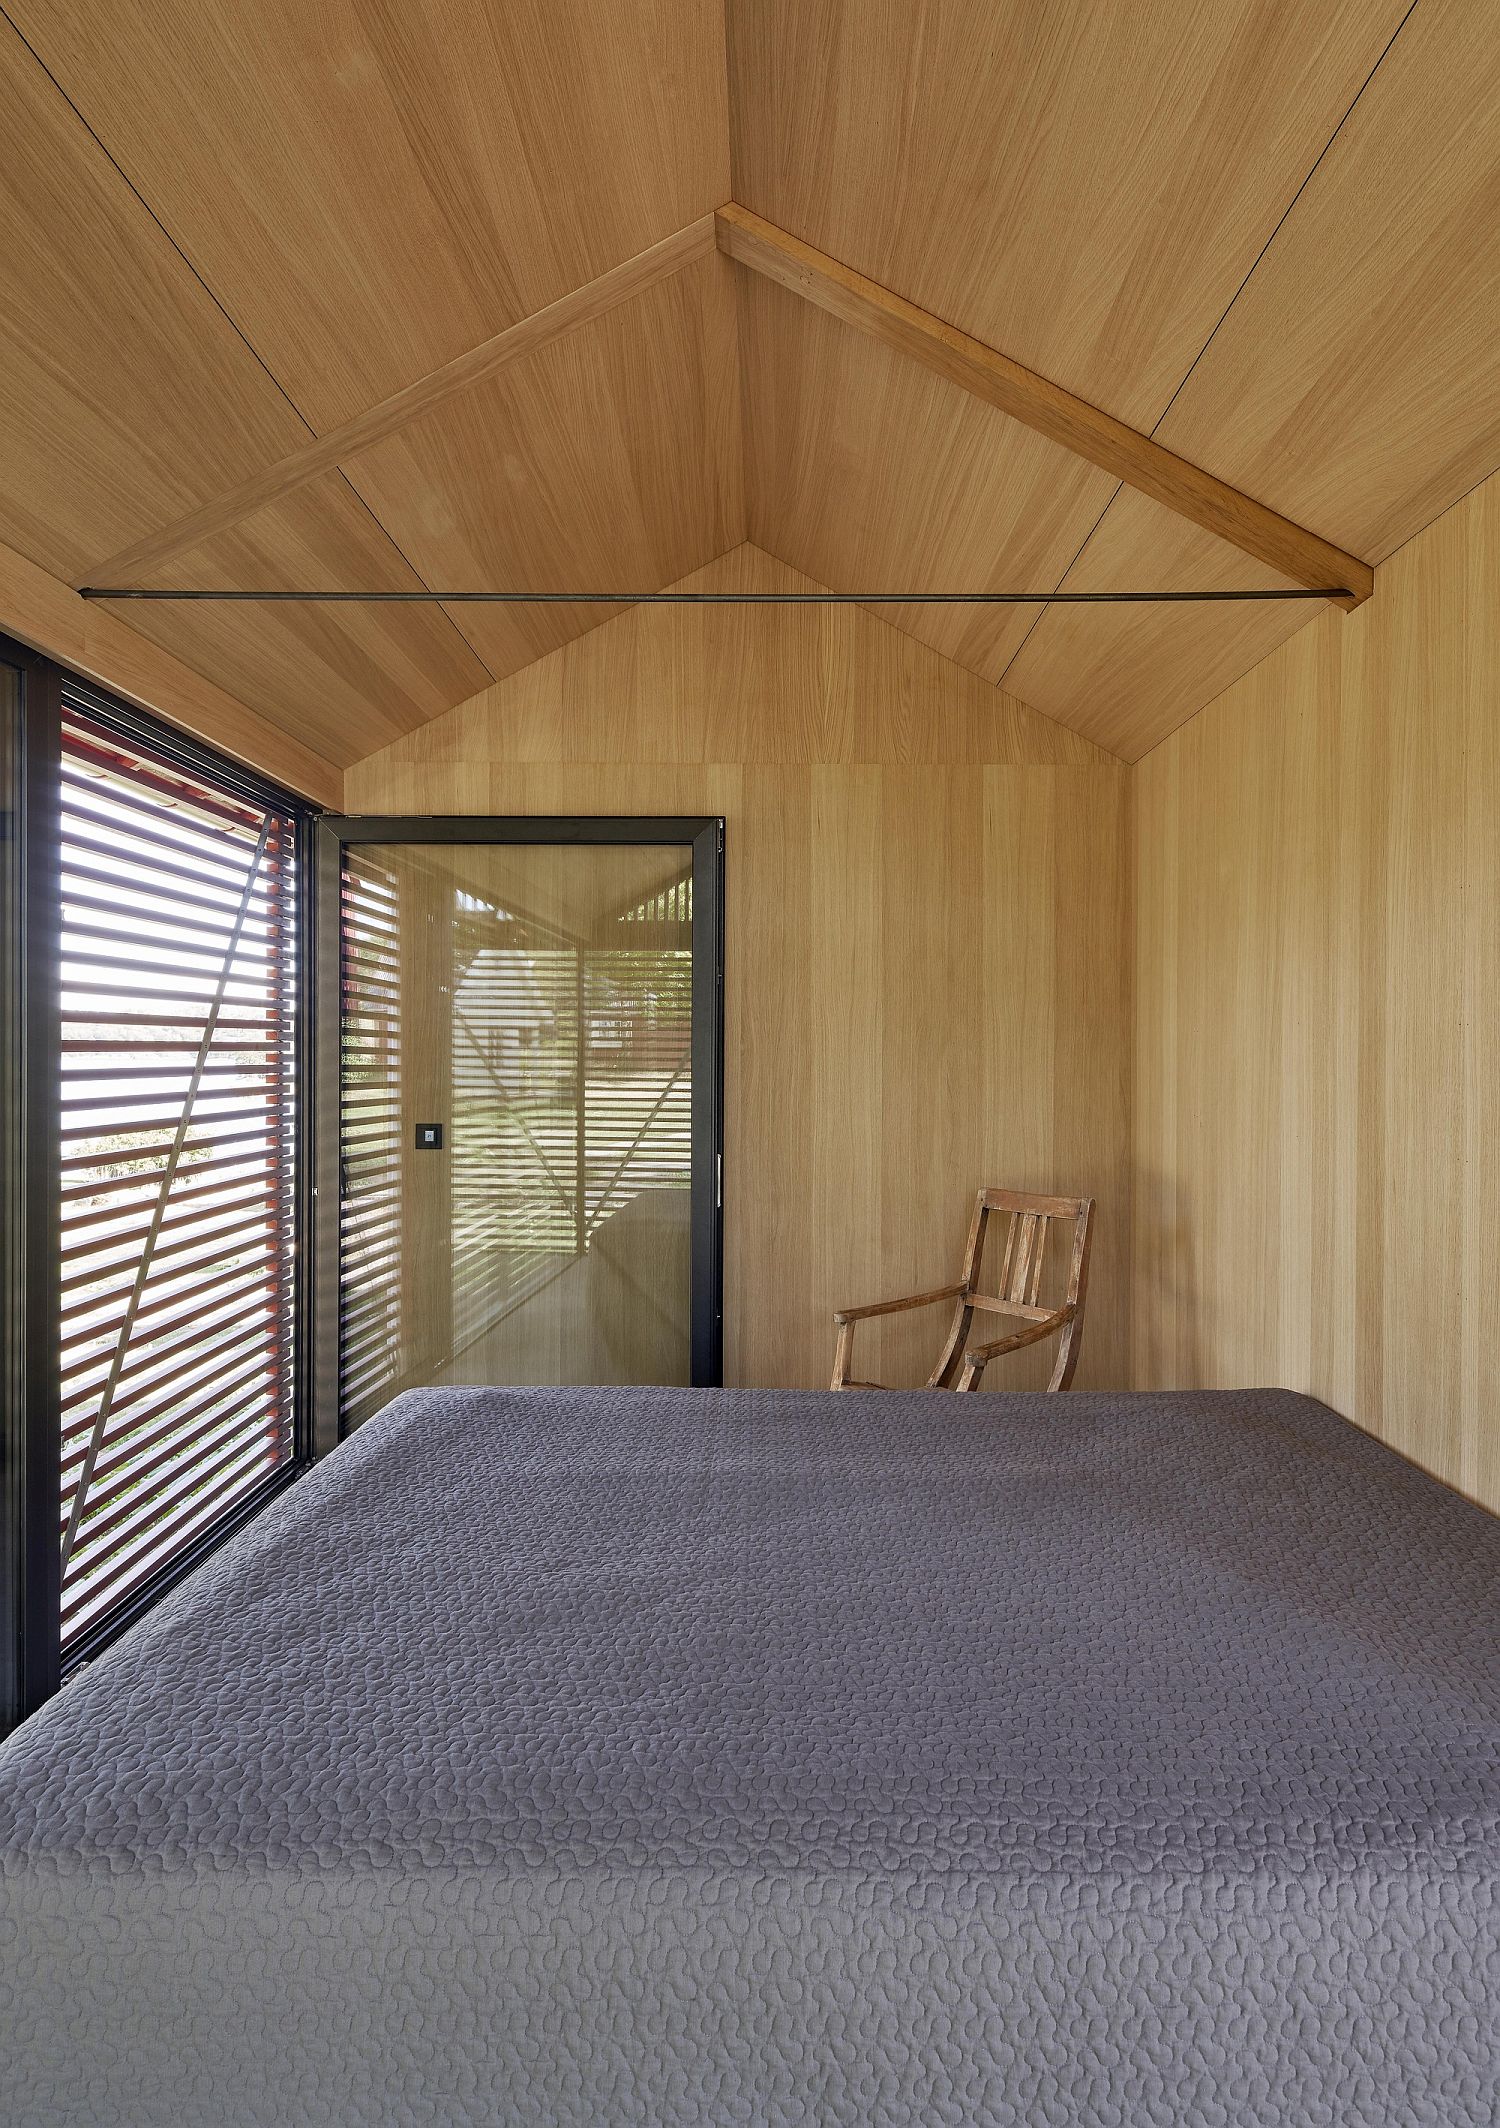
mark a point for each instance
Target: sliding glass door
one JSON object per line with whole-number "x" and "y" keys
{"x": 520, "y": 1116}
{"x": 155, "y": 1186}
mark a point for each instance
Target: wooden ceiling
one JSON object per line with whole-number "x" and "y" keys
{"x": 367, "y": 295}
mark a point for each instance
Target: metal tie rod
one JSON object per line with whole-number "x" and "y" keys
{"x": 718, "y": 598}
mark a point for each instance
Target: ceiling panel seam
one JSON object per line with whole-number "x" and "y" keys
{"x": 386, "y": 533}
{"x": 1229, "y": 306}
{"x": 1042, "y": 611}
{"x": 616, "y": 286}
{"x": 135, "y": 192}
{"x": 1286, "y": 216}
{"x": 1089, "y": 433}
{"x": 231, "y": 321}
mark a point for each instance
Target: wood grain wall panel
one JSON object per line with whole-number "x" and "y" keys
{"x": 1355, "y": 385}
{"x": 933, "y": 1043}
{"x": 371, "y": 190}
{"x": 340, "y": 677}
{"x": 610, "y": 459}
{"x": 870, "y": 474}
{"x": 1082, "y": 185}
{"x": 1476, "y": 573}
{"x": 126, "y": 396}
{"x": 909, "y": 854}
{"x": 750, "y": 684}
{"x": 1317, "y": 1084}
{"x": 846, "y": 978}
{"x": 1125, "y": 676}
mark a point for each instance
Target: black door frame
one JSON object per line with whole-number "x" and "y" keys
{"x": 704, "y": 836}
{"x": 30, "y": 1435}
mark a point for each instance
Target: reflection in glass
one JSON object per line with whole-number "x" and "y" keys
{"x": 535, "y": 1003}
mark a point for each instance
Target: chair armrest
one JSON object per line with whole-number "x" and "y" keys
{"x": 894, "y": 1307}
{"x": 981, "y": 1355}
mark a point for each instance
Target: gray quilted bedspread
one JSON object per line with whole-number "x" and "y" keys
{"x": 596, "y": 1756}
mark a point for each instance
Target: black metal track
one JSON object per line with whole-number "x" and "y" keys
{"x": 722, "y": 598}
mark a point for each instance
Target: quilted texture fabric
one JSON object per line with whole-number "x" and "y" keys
{"x": 617, "y": 1756}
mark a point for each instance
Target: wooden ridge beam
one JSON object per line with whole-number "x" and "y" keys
{"x": 40, "y": 610}
{"x": 1085, "y": 430}
{"x": 632, "y": 277}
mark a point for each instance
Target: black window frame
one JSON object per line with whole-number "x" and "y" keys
{"x": 30, "y": 1420}
{"x": 32, "y": 1665}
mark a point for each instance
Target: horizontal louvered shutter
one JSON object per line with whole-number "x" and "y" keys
{"x": 371, "y": 1139}
{"x": 178, "y": 988}
{"x": 638, "y": 1053}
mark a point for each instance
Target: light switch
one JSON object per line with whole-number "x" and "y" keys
{"x": 429, "y": 1137}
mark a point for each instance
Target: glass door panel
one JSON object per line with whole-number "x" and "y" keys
{"x": 527, "y": 1108}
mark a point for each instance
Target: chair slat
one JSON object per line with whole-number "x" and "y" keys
{"x": 1038, "y": 1254}
{"x": 1017, "y": 1287}
{"x": 1002, "y": 1284}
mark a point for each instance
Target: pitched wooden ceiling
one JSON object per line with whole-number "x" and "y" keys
{"x": 378, "y": 295}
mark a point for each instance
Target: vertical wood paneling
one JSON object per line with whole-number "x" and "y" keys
{"x": 1479, "y": 1442}
{"x": 847, "y": 1091}
{"x": 1317, "y": 924}
{"x": 926, "y": 938}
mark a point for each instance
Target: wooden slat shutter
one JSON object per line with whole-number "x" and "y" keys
{"x": 179, "y": 976}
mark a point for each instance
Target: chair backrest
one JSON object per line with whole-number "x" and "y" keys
{"x": 1018, "y": 1284}
{"x": 1028, "y": 1221}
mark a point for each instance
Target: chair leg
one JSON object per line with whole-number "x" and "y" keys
{"x": 843, "y": 1358}
{"x": 969, "y": 1374}
{"x": 942, "y": 1374}
{"x": 1067, "y": 1355}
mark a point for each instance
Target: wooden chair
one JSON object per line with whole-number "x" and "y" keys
{"x": 1020, "y": 1283}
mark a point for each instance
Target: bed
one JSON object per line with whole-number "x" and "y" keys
{"x": 615, "y": 1756}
